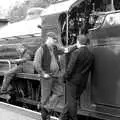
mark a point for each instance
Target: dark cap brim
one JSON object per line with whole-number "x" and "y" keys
{"x": 39, "y": 26}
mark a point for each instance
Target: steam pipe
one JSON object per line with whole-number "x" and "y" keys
{"x": 112, "y": 5}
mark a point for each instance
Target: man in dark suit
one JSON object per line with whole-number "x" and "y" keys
{"x": 76, "y": 77}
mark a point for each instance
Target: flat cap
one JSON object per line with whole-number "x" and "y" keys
{"x": 52, "y": 34}
{"x": 20, "y": 48}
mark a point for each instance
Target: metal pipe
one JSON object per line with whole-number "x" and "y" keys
{"x": 7, "y": 61}
{"x": 112, "y": 5}
{"x": 67, "y": 29}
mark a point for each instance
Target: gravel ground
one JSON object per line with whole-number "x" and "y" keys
{"x": 10, "y": 112}
{"x": 9, "y": 115}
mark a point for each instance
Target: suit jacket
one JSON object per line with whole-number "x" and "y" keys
{"x": 79, "y": 65}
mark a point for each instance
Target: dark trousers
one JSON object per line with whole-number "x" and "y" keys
{"x": 51, "y": 90}
{"x": 73, "y": 93}
{"x": 8, "y": 76}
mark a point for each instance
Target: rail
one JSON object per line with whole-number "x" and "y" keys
{"x": 25, "y": 76}
{"x": 29, "y": 76}
{"x": 4, "y": 69}
{"x": 6, "y": 61}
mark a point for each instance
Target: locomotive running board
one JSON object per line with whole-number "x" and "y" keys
{"x": 11, "y": 112}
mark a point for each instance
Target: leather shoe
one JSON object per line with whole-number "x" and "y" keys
{"x": 45, "y": 114}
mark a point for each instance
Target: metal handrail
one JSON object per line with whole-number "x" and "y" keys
{"x": 7, "y": 61}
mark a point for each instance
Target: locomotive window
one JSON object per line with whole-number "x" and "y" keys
{"x": 105, "y": 5}
{"x": 117, "y": 4}
{"x": 96, "y": 19}
{"x": 102, "y": 5}
{"x": 73, "y": 27}
{"x": 62, "y": 22}
{"x": 76, "y": 22}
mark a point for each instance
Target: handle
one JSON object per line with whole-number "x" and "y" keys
{"x": 7, "y": 61}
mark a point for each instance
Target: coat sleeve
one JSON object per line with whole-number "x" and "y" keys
{"x": 88, "y": 64}
{"x": 71, "y": 48}
{"x": 61, "y": 50}
{"x": 71, "y": 64}
{"x": 25, "y": 56}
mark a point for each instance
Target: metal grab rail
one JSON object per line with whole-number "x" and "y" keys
{"x": 6, "y": 61}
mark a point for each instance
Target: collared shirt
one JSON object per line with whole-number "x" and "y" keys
{"x": 54, "y": 67}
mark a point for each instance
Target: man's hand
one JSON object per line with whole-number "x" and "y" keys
{"x": 66, "y": 50}
{"x": 45, "y": 75}
{"x": 14, "y": 61}
{"x": 78, "y": 44}
{"x": 17, "y": 61}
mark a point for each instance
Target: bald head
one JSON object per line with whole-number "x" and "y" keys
{"x": 83, "y": 39}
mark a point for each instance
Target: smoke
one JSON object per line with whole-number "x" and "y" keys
{"x": 7, "y": 5}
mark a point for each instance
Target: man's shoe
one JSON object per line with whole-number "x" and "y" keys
{"x": 6, "y": 97}
{"x": 64, "y": 116}
{"x": 3, "y": 92}
{"x": 44, "y": 114}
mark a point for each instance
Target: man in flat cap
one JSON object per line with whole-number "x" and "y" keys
{"x": 24, "y": 56}
{"x": 46, "y": 62}
{"x": 76, "y": 76}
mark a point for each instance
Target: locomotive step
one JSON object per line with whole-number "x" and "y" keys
{"x": 28, "y": 101}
